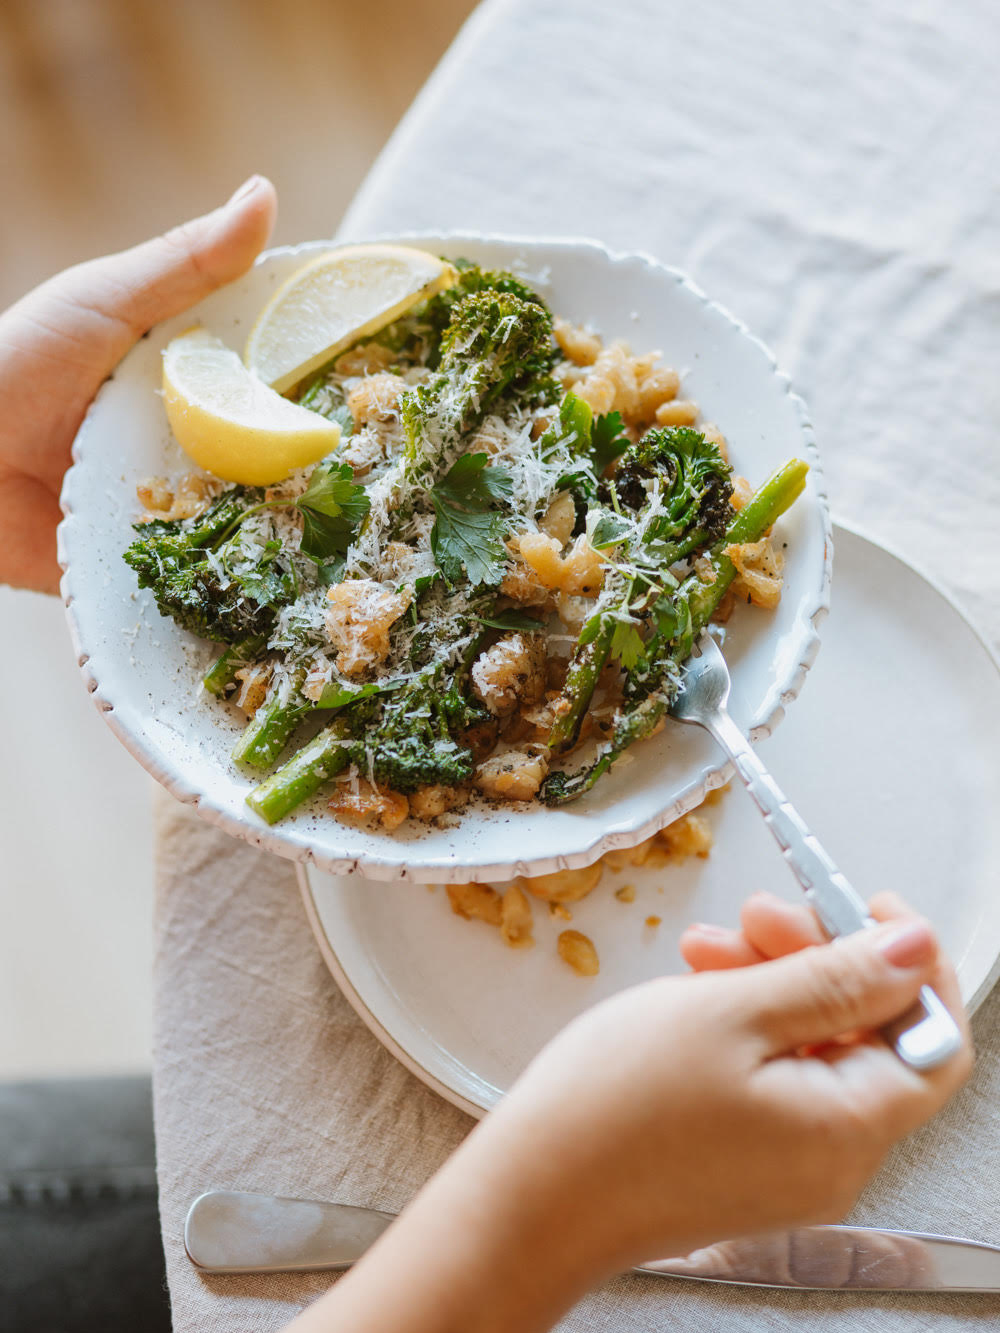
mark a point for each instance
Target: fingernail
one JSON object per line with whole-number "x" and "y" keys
{"x": 245, "y": 189}
{"x": 706, "y": 928}
{"x": 908, "y": 945}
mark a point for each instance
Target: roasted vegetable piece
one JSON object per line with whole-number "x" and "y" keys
{"x": 683, "y": 479}
{"x": 677, "y": 486}
{"x": 326, "y": 755}
{"x": 496, "y": 344}
{"x": 651, "y": 684}
{"x": 205, "y": 575}
{"x": 413, "y": 735}
{"x": 271, "y": 727}
{"x": 415, "y": 742}
{"x": 472, "y": 279}
{"x": 222, "y": 673}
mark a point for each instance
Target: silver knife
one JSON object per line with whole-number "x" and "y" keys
{"x": 229, "y": 1232}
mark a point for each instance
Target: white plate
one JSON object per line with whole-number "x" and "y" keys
{"x": 144, "y": 672}
{"x": 891, "y": 756}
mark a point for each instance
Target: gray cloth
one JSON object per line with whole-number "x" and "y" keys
{"x": 80, "y": 1241}
{"x": 826, "y": 172}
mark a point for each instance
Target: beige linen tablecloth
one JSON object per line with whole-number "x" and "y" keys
{"x": 828, "y": 171}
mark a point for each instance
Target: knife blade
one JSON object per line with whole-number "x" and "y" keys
{"x": 232, "y": 1232}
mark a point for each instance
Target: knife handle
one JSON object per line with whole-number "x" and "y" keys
{"x": 926, "y": 1036}
{"x": 230, "y": 1231}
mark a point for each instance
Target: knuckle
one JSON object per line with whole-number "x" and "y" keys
{"x": 185, "y": 241}
{"x": 839, "y": 992}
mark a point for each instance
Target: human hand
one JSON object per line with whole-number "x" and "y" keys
{"x": 61, "y": 341}
{"x": 753, "y": 1096}
{"x": 697, "y": 1108}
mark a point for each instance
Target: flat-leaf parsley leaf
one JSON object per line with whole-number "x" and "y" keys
{"x": 332, "y": 508}
{"x": 608, "y": 440}
{"x": 468, "y": 533}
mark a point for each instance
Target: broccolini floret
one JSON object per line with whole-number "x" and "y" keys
{"x": 678, "y": 487}
{"x": 686, "y": 478}
{"x": 415, "y": 741}
{"x": 676, "y": 619}
{"x": 496, "y": 344}
{"x": 204, "y": 577}
{"x": 419, "y": 335}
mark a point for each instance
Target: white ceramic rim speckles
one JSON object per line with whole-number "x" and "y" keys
{"x": 142, "y": 672}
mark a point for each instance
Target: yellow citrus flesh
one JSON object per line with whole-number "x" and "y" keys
{"x": 229, "y": 422}
{"x": 335, "y": 299}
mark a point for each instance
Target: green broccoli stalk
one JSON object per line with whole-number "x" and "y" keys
{"x": 270, "y": 728}
{"x": 221, "y": 675}
{"x": 652, "y": 682}
{"x": 408, "y": 736}
{"x": 318, "y": 762}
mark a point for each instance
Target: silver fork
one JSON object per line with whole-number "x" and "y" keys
{"x": 927, "y": 1035}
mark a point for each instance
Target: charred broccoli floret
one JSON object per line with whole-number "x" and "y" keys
{"x": 677, "y": 618}
{"x": 496, "y": 344}
{"x": 438, "y": 312}
{"x": 689, "y": 480}
{"x": 499, "y": 342}
{"x": 418, "y": 335}
{"x": 679, "y": 487}
{"x": 410, "y": 735}
{"x": 413, "y": 743}
{"x": 204, "y": 577}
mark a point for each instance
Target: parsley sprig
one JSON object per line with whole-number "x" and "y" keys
{"x": 467, "y": 537}
{"x": 332, "y": 506}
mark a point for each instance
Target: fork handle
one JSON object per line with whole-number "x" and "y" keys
{"x": 927, "y": 1035}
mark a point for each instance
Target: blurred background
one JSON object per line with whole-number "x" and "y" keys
{"x": 120, "y": 118}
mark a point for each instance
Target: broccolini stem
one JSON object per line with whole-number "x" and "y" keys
{"x": 222, "y": 673}
{"x": 634, "y": 725}
{"x": 326, "y": 755}
{"x": 641, "y": 719}
{"x": 581, "y": 680}
{"x": 270, "y": 727}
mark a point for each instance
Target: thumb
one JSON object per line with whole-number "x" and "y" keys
{"x": 138, "y": 288}
{"x": 860, "y": 981}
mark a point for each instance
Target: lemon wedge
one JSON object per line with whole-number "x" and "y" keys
{"x": 231, "y": 423}
{"x": 335, "y": 299}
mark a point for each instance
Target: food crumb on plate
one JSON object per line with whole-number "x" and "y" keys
{"x": 578, "y": 951}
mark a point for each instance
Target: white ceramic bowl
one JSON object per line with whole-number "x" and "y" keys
{"x": 144, "y": 673}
